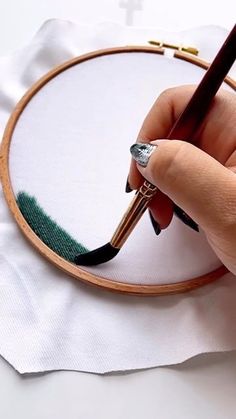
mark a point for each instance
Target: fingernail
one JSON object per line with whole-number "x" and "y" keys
{"x": 185, "y": 218}
{"x": 127, "y": 187}
{"x": 142, "y": 152}
{"x": 155, "y": 224}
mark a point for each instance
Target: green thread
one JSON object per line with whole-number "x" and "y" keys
{"x": 55, "y": 237}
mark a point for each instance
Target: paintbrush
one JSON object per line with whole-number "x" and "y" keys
{"x": 186, "y": 124}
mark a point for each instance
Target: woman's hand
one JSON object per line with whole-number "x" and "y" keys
{"x": 198, "y": 178}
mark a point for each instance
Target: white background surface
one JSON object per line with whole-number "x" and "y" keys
{"x": 203, "y": 387}
{"x": 19, "y": 20}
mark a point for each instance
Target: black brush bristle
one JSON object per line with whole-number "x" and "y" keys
{"x": 95, "y": 257}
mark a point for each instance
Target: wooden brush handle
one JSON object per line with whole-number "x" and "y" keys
{"x": 192, "y": 116}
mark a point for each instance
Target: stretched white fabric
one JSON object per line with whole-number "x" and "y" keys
{"x": 50, "y": 321}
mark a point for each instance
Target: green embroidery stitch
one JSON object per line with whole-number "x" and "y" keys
{"x": 55, "y": 237}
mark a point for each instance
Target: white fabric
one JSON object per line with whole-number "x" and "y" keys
{"x": 70, "y": 150}
{"x": 65, "y": 324}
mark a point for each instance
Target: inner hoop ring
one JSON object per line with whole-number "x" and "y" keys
{"x": 45, "y": 251}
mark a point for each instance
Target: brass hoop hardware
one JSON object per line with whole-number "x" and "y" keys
{"x": 67, "y": 267}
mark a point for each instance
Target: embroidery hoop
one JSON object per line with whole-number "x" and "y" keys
{"x": 69, "y": 268}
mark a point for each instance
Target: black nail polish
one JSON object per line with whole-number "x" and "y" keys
{"x": 185, "y": 218}
{"x": 127, "y": 187}
{"x": 155, "y": 224}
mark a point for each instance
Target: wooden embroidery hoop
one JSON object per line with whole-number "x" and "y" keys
{"x": 67, "y": 267}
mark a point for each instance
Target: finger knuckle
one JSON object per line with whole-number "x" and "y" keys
{"x": 167, "y": 93}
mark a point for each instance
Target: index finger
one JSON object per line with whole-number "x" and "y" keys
{"x": 159, "y": 122}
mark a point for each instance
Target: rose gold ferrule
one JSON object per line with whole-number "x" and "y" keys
{"x": 134, "y": 212}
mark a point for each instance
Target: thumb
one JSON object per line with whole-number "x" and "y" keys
{"x": 195, "y": 181}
